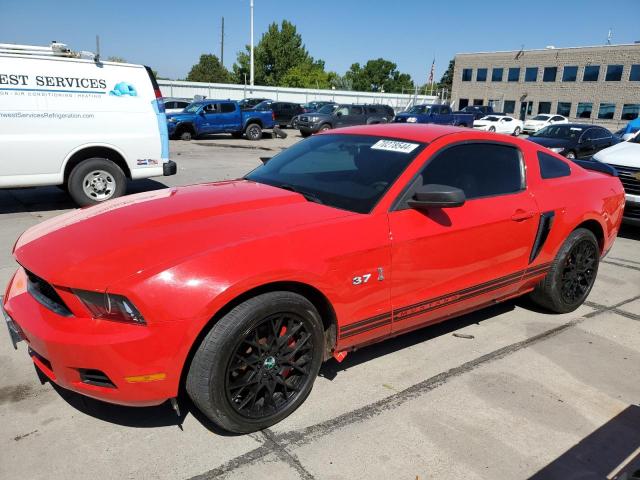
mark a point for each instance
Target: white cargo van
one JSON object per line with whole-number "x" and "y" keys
{"x": 69, "y": 119}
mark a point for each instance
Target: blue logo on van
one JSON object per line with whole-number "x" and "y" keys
{"x": 124, "y": 88}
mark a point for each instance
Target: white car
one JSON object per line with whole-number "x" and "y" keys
{"x": 68, "y": 118}
{"x": 540, "y": 121}
{"x": 499, "y": 124}
{"x": 175, "y": 105}
{"x": 625, "y": 158}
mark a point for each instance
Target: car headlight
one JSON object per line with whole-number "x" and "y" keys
{"x": 314, "y": 119}
{"x": 109, "y": 306}
{"x": 557, "y": 149}
{"x": 412, "y": 120}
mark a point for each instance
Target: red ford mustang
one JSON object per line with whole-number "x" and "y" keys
{"x": 239, "y": 290}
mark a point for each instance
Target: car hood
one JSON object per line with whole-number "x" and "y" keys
{"x": 551, "y": 142}
{"x": 94, "y": 247}
{"x": 180, "y": 116}
{"x": 624, "y": 154}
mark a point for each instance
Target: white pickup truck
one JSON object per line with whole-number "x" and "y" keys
{"x": 625, "y": 158}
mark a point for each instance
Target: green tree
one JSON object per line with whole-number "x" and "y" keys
{"x": 210, "y": 70}
{"x": 116, "y": 59}
{"x": 306, "y": 75}
{"x": 447, "y": 77}
{"x": 279, "y": 50}
{"x": 378, "y": 75}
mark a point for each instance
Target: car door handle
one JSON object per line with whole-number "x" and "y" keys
{"x": 520, "y": 215}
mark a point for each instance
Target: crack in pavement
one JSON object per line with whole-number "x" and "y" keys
{"x": 618, "y": 264}
{"x": 286, "y": 456}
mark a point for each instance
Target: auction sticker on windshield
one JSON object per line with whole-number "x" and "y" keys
{"x": 394, "y": 146}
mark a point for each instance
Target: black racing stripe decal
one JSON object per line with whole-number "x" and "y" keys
{"x": 366, "y": 321}
{"x": 432, "y": 304}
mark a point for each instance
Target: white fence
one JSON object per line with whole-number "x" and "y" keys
{"x": 399, "y": 102}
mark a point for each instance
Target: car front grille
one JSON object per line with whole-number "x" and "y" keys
{"x": 632, "y": 210}
{"x": 45, "y": 294}
{"x": 630, "y": 178}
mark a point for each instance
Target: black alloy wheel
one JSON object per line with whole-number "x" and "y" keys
{"x": 269, "y": 366}
{"x": 579, "y": 271}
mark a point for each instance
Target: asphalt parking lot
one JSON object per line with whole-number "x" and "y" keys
{"x": 506, "y": 392}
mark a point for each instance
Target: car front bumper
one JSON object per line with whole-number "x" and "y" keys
{"x": 308, "y": 127}
{"x": 142, "y": 363}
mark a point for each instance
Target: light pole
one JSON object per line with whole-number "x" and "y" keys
{"x": 251, "y": 53}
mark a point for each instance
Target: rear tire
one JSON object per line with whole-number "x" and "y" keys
{"x": 253, "y": 132}
{"x": 96, "y": 180}
{"x": 186, "y": 136}
{"x": 516, "y": 131}
{"x": 246, "y": 375}
{"x": 571, "y": 275}
{"x": 492, "y": 129}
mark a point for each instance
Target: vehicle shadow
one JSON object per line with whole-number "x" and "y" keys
{"x": 332, "y": 368}
{"x": 46, "y": 199}
{"x": 629, "y": 231}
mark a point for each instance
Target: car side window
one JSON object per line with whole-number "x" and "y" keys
{"x": 556, "y": 118}
{"x": 445, "y": 111}
{"x": 602, "y": 133}
{"x": 479, "y": 169}
{"x": 211, "y": 108}
{"x": 342, "y": 111}
{"x": 355, "y": 111}
{"x": 552, "y": 167}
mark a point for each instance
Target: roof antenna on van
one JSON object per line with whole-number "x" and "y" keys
{"x": 97, "y": 56}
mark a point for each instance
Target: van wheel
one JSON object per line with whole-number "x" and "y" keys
{"x": 95, "y": 180}
{"x": 258, "y": 363}
{"x": 253, "y": 132}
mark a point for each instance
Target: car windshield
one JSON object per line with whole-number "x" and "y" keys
{"x": 543, "y": 118}
{"x": 417, "y": 109}
{"x": 328, "y": 109}
{"x": 266, "y": 105}
{"x": 350, "y": 172}
{"x": 491, "y": 118}
{"x": 193, "y": 107}
{"x": 559, "y": 131}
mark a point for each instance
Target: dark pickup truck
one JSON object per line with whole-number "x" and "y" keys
{"x": 438, "y": 114}
{"x": 336, "y": 116}
{"x": 479, "y": 111}
{"x": 219, "y": 116}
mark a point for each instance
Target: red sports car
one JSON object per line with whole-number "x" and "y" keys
{"x": 239, "y": 290}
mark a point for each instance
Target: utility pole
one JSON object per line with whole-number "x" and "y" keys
{"x": 251, "y": 56}
{"x": 222, "y": 44}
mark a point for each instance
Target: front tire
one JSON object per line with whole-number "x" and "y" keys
{"x": 258, "y": 363}
{"x": 572, "y": 273}
{"x": 492, "y": 129}
{"x": 571, "y": 155}
{"x": 325, "y": 127}
{"x": 516, "y": 131}
{"x": 253, "y": 132}
{"x": 96, "y": 180}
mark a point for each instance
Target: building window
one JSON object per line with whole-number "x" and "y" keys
{"x": 630, "y": 111}
{"x": 481, "y": 75}
{"x": 614, "y": 73}
{"x": 544, "y": 107}
{"x": 564, "y": 109}
{"x": 550, "y": 74}
{"x": 606, "y": 111}
{"x": 463, "y": 103}
{"x": 496, "y": 74}
{"x": 514, "y": 74}
{"x": 478, "y": 101}
{"x": 570, "y": 74}
{"x": 584, "y": 110}
{"x": 467, "y": 73}
{"x": 509, "y": 106}
{"x": 591, "y": 73}
{"x": 531, "y": 74}
{"x": 634, "y": 75}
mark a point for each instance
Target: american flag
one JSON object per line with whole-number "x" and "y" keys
{"x": 433, "y": 70}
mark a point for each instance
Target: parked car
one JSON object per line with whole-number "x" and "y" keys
{"x": 574, "y": 140}
{"x": 478, "y": 111}
{"x": 343, "y": 115}
{"x": 499, "y": 124}
{"x": 625, "y": 158}
{"x": 249, "y": 103}
{"x": 439, "y": 114}
{"x": 339, "y": 241}
{"x": 309, "y": 107}
{"x": 175, "y": 105}
{"x": 534, "y": 124}
{"x": 283, "y": 112}
{"x": 70, "y": 120}
{"x": 219, "y": 116}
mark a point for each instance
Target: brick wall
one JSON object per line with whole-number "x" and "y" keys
{"x": 602, "y": 91}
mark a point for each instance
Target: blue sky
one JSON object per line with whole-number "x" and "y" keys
{"x": 170, "y": 35}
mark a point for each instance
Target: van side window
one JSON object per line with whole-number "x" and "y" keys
{"x": 551, "y": 167}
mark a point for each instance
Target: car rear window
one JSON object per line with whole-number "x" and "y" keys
{"x": 552, "y": 167}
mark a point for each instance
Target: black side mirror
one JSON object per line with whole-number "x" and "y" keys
{"x": 338, "y": 114}
{"x": 437, "y": 196}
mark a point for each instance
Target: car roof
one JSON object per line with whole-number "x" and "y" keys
{"x": 414, "y": 132}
